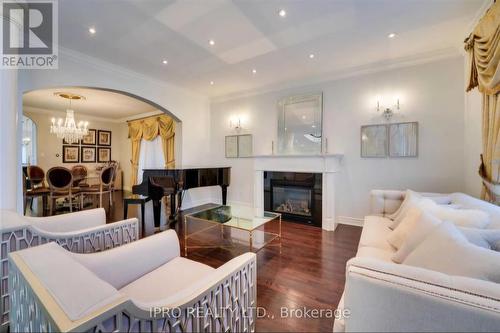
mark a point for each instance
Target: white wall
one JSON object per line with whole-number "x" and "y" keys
{"x": 431, "y": 94}
{"x": 191, "y": 109}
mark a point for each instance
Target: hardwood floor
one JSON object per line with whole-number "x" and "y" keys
{"x": 308, "y": 274}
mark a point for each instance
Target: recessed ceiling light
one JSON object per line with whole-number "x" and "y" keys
{"x": 311, "y": 56}
{"x": 391, "y": 35}
{"x": 211, "y": 42}
{"x": 212, "y": 83}
{"x": 165, "y": 61}
{"x": 92, "y": 30}
{"x": 254, "y": 71}
{"x": 303, "y": 117}
{"x": 282, "y": 13}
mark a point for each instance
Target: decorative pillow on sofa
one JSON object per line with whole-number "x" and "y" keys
{"x": 410, "y": 200}
{"x": 471, "y": 218}
{"x": 448, "y": 251}
{"x": 422, "y": 227}
{"x": 487, "y": 238}
{"x": 398, "y": 236}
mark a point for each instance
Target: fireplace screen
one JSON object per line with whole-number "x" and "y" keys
{"x": 292, "y": 200}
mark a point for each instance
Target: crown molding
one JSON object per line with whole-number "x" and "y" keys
{"x": 142, "y": 115}
{"x": 375, "y": 67}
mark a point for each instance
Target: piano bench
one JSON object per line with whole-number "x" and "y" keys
{"x": 136, "y": 199}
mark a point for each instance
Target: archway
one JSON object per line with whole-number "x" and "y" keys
{"x": 107, "y": 111}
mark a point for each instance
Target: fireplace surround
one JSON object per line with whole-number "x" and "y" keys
{"x": 296, "y": 195}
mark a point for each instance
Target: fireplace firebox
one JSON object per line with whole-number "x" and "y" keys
{"x": 296, "y": 195}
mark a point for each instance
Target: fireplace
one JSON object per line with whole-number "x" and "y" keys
{"x": 296, "y": 195}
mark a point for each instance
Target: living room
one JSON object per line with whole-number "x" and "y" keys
{"x": 292, "y": 173}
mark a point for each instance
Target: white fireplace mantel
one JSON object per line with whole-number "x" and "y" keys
{"x": 326, "y": 164}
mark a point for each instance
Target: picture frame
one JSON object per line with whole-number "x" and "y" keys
{"x": 245, "y": 143}
{"x": 88, "y": 154}
{"x": 103, "y": 154}
{"x": 239, "y": 146}
{"x": 231, "y": 146}
{"x": 104, "y": 138}
{"x": 71, "y": 154}
{"x": 403, "y": 139}
{"x": 374, "y": 141}
{"x": 90, "y": 139}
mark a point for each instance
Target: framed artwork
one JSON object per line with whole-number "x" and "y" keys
{"x": 231, "y": 146}
{"x": 104, "y": 138}
{"x": 88, "y": 154}
{"x": 374, "y": 141}
{"x": 403, "y": 139}
{"x": 71, "y": 154}
{"x": 90, "y": 138}
{"x": 103, "y": 154}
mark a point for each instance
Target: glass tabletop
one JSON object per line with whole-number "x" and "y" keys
{"x": 235, "y": 216}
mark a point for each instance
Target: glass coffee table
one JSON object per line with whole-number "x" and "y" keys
{"x": 227, "y": 226}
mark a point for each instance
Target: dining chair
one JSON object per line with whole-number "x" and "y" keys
{"x": 104, "y": 186}
{"x": 35, "y": 177}
{"x": 80, "y": 174}
{"x": 60, "y": 181}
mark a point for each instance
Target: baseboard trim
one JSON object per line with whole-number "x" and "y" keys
{"x": 355, "y": 221}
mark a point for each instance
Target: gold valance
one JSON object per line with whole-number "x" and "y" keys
{"x": 483, "y": 48}
{"x": 148, "y": 129}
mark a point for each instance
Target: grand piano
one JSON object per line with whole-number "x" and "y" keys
{"x": 181, "y": 179}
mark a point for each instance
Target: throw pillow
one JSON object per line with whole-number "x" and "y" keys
{"x": 487, "y": 238}
{"x": 398, "y": 236}
{"x": 422, "y": 228}
{"x": 410, "y": 200}
{"x": 448, "y": 251}
{"x": 471, "y": 218}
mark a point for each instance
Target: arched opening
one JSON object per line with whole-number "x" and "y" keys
{"x": 108, "y": 113}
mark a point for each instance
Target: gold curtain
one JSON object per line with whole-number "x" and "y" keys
{"x": 148, "y": 129}
{"x": 483, "y": 48}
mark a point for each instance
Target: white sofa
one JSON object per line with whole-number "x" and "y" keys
{"x": 144, "y": 286}
{"x": 81, "y": 232}
{"x": 381, "y": 295}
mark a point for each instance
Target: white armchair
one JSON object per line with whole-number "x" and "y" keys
{"x": 81, "y": 232}
{"x": 144, "y": 286}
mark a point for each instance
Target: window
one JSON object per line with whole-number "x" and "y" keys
{"x": 28, "y": 141}
{"x": 150, "y": 156}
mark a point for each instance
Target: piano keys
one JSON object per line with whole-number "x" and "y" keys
{"x": 184, "y": 179}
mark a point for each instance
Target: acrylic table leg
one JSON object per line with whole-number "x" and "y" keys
{"x": 280, "y": 233}
{"x": 185, "y": 237}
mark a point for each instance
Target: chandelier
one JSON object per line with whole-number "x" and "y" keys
{"x": 70, "y": 131}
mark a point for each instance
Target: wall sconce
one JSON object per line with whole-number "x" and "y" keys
{"x": 235, "y": 123}
{"x": 387, "y": 113}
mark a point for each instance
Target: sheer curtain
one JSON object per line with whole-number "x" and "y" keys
{"x": 150, "y": 156}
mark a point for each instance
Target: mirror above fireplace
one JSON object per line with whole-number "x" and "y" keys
{"x": 300, "y": 124}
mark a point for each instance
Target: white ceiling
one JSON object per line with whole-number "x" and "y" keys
{"x": 97, "y": 103}
{"x": 343, "y": 34}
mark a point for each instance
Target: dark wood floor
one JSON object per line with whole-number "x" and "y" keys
{"x": 309, "y": 273}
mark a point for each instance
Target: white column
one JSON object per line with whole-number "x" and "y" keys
{"x": 10, "y": 165}
{"x": 258, "y": 193}
{"x": 8, "y": 139}
{"x": 328, "y": 204}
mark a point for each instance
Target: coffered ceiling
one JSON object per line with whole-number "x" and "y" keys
{"x": 253, "y": 46}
